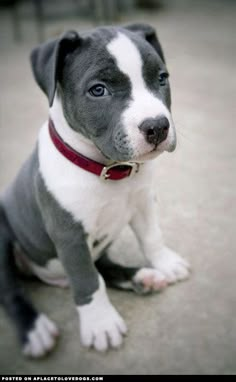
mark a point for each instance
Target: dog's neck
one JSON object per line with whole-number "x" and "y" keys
{"x": 76, "y": 140}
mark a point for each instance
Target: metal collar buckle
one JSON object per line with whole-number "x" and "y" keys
{"x": 134, "y": 166}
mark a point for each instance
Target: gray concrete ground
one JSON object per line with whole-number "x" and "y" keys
{"x": 190, "y": 328}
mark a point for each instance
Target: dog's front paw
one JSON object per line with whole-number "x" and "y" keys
{"x": 101, "y": 328}
{"x": 171, "y": 265}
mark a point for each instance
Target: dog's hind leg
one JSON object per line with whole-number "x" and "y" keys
{"x": 140, "y": 280}
{"x": 36, "y": 332}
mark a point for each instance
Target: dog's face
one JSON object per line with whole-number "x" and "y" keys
{"x": 114, "y": 89}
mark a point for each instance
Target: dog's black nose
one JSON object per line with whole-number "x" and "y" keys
{"x": 155, "y": 129}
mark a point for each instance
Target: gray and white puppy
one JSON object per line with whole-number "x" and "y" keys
{"x": 109, "y": 99}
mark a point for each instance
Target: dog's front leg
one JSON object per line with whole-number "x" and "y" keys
{"x": 101, "y": 325}
{"x": 170, "y": 266}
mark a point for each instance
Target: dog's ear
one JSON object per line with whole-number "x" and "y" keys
{"x": 47, "y": 61}
{"x": 149, "y": 33}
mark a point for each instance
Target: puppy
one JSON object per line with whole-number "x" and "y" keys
{"x": 89, "y": 176}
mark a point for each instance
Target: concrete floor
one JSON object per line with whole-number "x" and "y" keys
{"x": 190, "y": 328}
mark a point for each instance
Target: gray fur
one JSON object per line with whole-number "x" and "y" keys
{"x": 51, "y": 58}
{"x": 70, "y": 243}
{"x": 24, "y": 215}
{"x": 97, "y": 119}
{"x": 44, "y": 230}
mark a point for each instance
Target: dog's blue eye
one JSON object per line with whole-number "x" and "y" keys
{"x": 98, "y": 91}
{"x": 163, "y": 76}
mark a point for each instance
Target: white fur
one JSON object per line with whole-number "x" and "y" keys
{"x": 74, "y": 139}
{"x": 41, "y": 339}
{"x": 144, "y": 104}
{"x": 145, "y": 280}
{"x": 104, "y": 207}
{"x": 53, "y": 273}
{"x": 169, "y": 264}
{"x": 151, "y": 280}
{"x": 101, "y": 326}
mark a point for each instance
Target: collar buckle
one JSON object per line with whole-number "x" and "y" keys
{"x": 134, "y": 168}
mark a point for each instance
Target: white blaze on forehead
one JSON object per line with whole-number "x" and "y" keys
{"x": 144, "y": 103}
{"x": 128, "y": 59}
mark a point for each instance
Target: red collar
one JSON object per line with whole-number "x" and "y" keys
{"x": 116, "y": 171}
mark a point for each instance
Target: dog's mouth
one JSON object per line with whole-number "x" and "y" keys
{"x": 139, "y": 154}
{"x": 156, "y": 151}
{"x": 139, "y": 157}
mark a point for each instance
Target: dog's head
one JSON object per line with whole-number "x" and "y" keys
{"x": 114, "y": 89}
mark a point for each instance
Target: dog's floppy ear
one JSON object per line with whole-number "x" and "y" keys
{"x": 47, "y": 61}
{"x": 149, "y": 33}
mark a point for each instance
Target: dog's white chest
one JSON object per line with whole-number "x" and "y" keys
{"x": 110, "y": 218}
{"x": 102, "y": 207}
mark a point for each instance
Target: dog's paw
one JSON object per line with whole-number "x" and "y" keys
{"x": 103, "y": 330}
{"x": 172, "y": 266}
{"x": 41, "y": 339}
{"x": 148, "y": 280}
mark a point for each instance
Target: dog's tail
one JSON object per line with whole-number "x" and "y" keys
{"x": 36, "y": 332}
